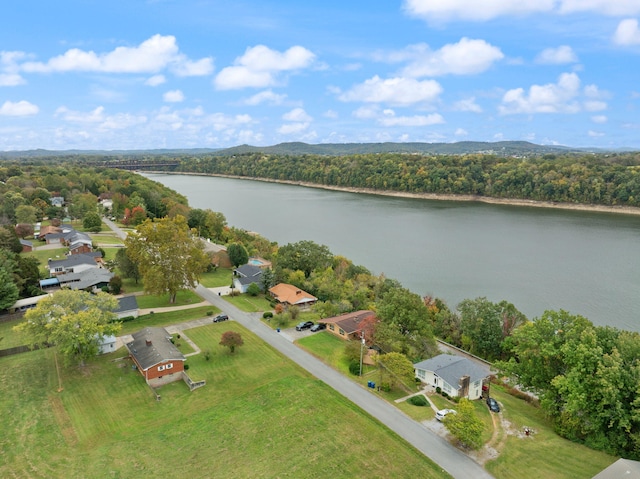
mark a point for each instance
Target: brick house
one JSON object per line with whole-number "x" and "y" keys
{"x": 156, "y": 357}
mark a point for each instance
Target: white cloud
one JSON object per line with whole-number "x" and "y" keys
{"x": 259, "y": 67}
{"x": 155, "y": 80}
{"x": 557, "y": 56}
{"x": 468, "y": 104}
{"x": 467, "y": 57}
{"x": 332, "y": 114}
{"x": 11, "y": 79}
{"x": 266, "y": 96}
{"x": 297, "y": 114}
{"x": 476, "y": 10}
{"x": 97, "y": 119}
{"x": 152, "y": 55}
{"x": 389, "y": 118}
{"x": 627, "y": 32}
{"x": 20, "y": 108}
{"x": 480, "y": 10}
{"x": 394, "y": 91}
{"x": 173, "y": 96}
{"x": 461, "y": 132}
{"x": 595, "y": 134}
{"x": 292, "y": 128}
{"x": 599, "y": 119}
{"x": 560, "y": 97}
{"x": 94, "y": 116}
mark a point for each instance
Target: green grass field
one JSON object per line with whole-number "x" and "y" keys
{"x": 249, "y": 304}
{"x": 259, "y": 416}
{"x": 216, "y": 279}
{"x": 183, "y": 298}
{"x": 166, "y": 319}
{"x": 9, "y": 337}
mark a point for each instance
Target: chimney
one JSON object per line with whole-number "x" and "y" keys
{"x": 148, "y": 342}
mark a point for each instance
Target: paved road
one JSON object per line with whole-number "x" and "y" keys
{"x": 431, "y": 445}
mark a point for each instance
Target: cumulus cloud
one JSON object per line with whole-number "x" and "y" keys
{"x": 557, "y": 56}
{"x": 599, "y": 119}
{"x": 173, "y": 96}
{"x": 389, "y": 118}
{"x": 627, "y": 32}
{"x": 299, "y": 121}
{"x": 467, "y": 57}
{"x": 155, "y": 80}
{"x": 297, "y": 114}
{"x": 480, "y": 10}
{"x": 98, "y": 119}
{"x": 394, "y": 91}
{"x": 595, "y": 134}
{"x": 261, "y": 67}
{"x": 152, "y": 55}
{"x": 11, "y": 79}
{"x": 461, "y": 132}
{"x": 292, "y": 128}
{"x": 560, "y": 97}
{"x": 266, "y": 96}
{"x": 468, "y": 104}
{"x": 20, "y": 108}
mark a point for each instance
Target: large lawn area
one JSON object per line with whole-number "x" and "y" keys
{"x": 216, "y": 279}
{"x": 183, "y": 298}
{"x": 259, "y": 416}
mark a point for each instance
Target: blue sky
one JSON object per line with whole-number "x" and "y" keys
{"x": 135, "y": 74}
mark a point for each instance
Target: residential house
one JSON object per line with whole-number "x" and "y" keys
{"x": 75, "y": 263}
{"x": 127, "y": 307}
{"x": 57, "y": 201}
{"x": 78, "y": 243}
{"x": 455, "y": 375}
{"x": 217, "y": 253}
{"x": 349, "y": 325}
{"x": 246, "y": 275}
{"x": 156, "y": 357}
{"x": 24, "y": 304}
{"x": 27, "y": 246}
{"x": 92, "y": 279}
{"x": 107, "y": 344}
{"x": 290, "y": 295}
{"x": 45, "y": 230}
{"x": 622, "y": 468}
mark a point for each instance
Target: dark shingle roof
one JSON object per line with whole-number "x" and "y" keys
{"x": 85, "y": 279}
{"x": 75, "y": 260}
{"x": 248, "y": 271}
{"x": 152, "y": 346}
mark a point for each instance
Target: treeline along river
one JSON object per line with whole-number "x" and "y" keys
{"x": 536, "y": 258}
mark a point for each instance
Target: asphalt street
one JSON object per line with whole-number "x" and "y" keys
{"x": 430, "y": 444}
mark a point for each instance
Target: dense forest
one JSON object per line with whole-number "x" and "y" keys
{"x": 612, "y": 180}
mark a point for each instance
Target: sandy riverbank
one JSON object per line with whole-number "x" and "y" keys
{"x": 628, "y": 210}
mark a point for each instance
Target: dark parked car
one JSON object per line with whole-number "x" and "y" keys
{"x": 493, "y": 405}
{"x": 318, "y": 327}
{"x": 304, "y": 325}
{"x": 220, "y": 317}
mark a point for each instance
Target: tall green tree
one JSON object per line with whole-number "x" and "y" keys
{"x": 396, "y": 370}
{"x": 9, "y": 292}
{"x": 305, "y": 256}
{"x": 238, "y": 254}
{"x": 127, "y": 267}
{"x": 92, "y": 222}
{"x": 169, "y": 255}
{"x": 74, "y": 321}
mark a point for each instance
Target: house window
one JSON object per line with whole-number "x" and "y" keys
{"x": 421, "y": 373}
{"x": 341, "y": 332}
{"x": 331, "y": 327}
{"x": 170, "y": 366}
{"x": 161, "y": 368}
{"x": 447, "y": 388}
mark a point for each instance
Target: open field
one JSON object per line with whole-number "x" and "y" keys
{"x": 249, "y": 304}
{"x": 166, "y": 319}
{"x": 183, "y": 298}
{"x": 258, "y": 416}
{"x": 106, "y": 238}
{"x": 217, "y": 279}
{"x": 9, "y": 337}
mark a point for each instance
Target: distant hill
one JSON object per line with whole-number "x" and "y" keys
{"x": 502, "y": 148}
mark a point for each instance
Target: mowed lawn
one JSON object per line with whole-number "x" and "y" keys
{"x": 259, "y": 416}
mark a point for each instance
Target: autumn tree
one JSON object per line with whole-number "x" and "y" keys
{"x": 304, "y": 256}
{"x": 231, "y": 340}
{"x": 465, "y": 425}
{"x": 73, "y": 321}
{"x": 169, "y": 255}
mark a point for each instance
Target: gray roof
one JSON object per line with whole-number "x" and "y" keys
{"x": 85, "y": 279}
{"x": 452, "y": 368}
{"x": 126, "y": 303}
{"x": 152, "y": 346}
{"x": 75, "y": 260}
{"x": 248, "y": 271}
{"x": 26, "y": 243}
{"x": 622, "y": 468}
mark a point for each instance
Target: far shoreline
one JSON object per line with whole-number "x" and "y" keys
{"x": 627, "y": 210}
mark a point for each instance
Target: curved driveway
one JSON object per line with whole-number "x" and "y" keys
{"x": 431, "y": 445}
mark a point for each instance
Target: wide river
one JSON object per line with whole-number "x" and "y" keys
{"x": 536, "y": 258}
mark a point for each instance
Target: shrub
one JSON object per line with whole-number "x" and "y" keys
{"x": 386, "y": 387}
{"x": 209, "y": 313}
{"x": 438, "y": 389}
{"x": 354, "y": 368}
{"x": 267, "y": 315}
{"x": 418, "y": 400}
{"x": 207, "y": 355}
{"x": 186, "y": 367}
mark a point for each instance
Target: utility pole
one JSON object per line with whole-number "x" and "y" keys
{"x": 361, "y": 350}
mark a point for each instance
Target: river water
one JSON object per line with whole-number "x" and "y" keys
{"x": 536, "y": 258}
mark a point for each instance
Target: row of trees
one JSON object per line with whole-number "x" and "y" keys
{"x": 587, "y": 179}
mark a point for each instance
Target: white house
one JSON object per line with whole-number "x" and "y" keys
{"x": 246, "y": 275}
{"x": 455, "y": 375}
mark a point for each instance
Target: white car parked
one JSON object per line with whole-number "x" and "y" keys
{"x": 443, "y": 412}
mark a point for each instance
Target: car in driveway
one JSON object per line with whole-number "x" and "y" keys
{"x": 220, "y": 317}
{"x": 442, "y": 413}
{"x": 304, "y": 325}
{"x": 493, "y": 405}
{"x": 318, "y": 327}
